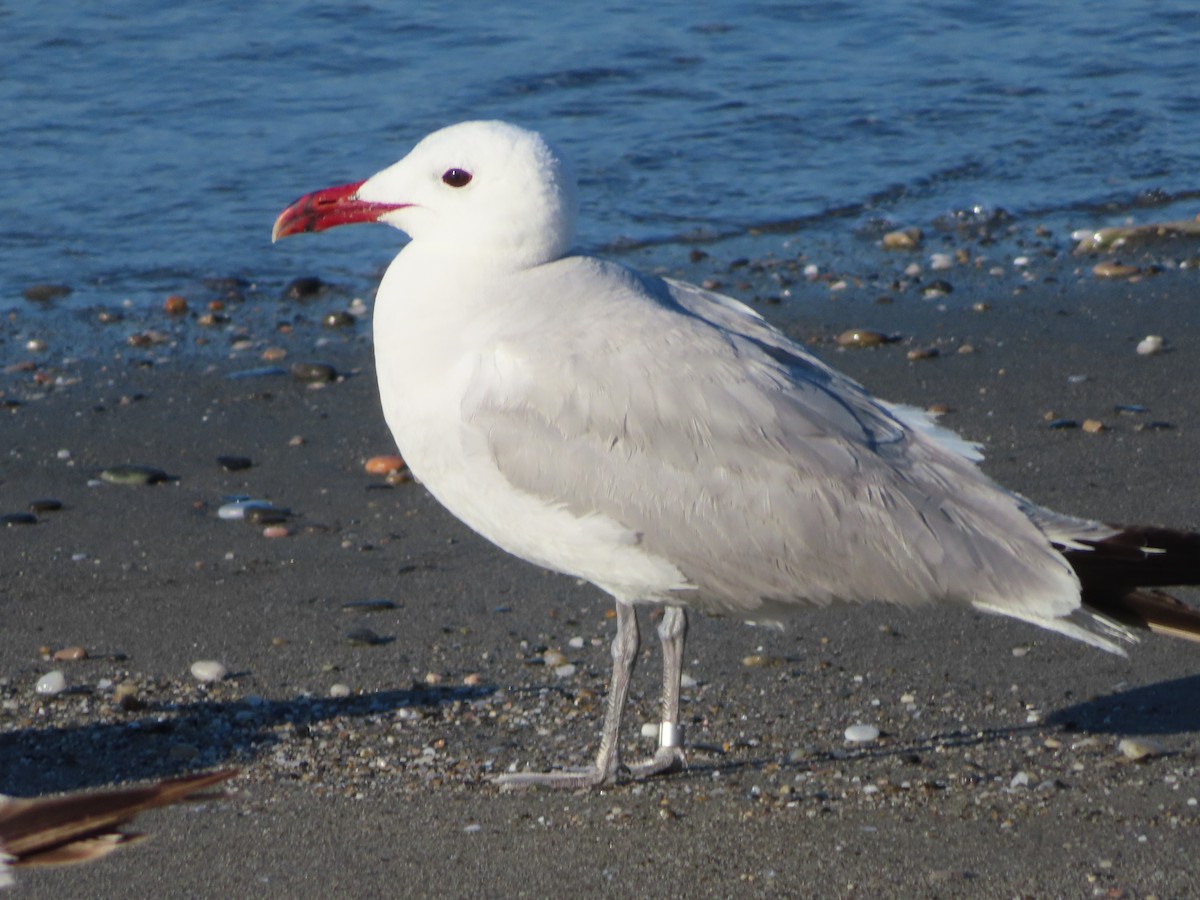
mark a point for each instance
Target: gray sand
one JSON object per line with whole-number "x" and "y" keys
{"x": 997, "y": 773}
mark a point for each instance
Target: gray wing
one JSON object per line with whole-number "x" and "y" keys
{"x": 767, "y": 478}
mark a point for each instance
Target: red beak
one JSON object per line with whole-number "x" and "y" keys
{"x": 328, "y": 209}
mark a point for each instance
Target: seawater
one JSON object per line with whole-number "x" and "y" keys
{"x": 149, "y": 145}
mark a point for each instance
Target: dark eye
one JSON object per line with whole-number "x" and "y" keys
{"x": 456, "y": 178}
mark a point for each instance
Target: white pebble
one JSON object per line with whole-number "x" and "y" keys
{"x": 207, "y": 670}
{"x": 1150, "y": 345}
{"x": 51, "y": 683}
{"x": 688, "y": 681}
{"x": 554, "y": 658}
{"x": 811, "y": 271}
{"x": 564, "y": 671}
{"x": 941, "y": 261}
{"x": 235, "y": 511}
{"x": 473, "y": 828}
{"x": 575, "y": 643}
{"x": 339, "y": 690}
{"x": 650, "y": 730}
{"x": 1019, "y": 651}
{"x": 861, "y": 734}
{"x": 1021, "y": 779}
{"x": 63, "y": 454}
{"x": 1140, "y": 748}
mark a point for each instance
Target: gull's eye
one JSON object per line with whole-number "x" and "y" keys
{"x": 456, "y": 178}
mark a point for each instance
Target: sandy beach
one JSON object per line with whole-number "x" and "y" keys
{"x": 997, "y": 772}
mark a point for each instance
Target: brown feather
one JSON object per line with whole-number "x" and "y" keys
{"x": 81, "y": 826}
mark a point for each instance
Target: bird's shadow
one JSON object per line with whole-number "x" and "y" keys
{"x": 41, "y": 760}
{"x": 146, "y": 744}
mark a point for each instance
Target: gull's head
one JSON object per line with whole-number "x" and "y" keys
{"x": 476, "y": 189}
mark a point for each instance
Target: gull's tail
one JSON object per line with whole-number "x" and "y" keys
{"x": 82, "y": 826}
{"x": 1121, "y": 574}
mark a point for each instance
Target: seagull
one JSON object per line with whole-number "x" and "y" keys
{"x": 668, "y": 445}
{"x": 78, "y": 827}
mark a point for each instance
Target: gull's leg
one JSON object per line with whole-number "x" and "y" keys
{"x": 624, "y": 656}
{"x": 672, "y": 631}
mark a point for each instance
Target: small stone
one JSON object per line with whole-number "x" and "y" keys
{"x": 51, "y": 683}
{"x": 237, "y": 510}
{"x": 761, "y": 661}
{"x": 35, "y": 345}
{"x": 276, "y": 531}
{"x": 70, "y": 654}
{"x": 651, "y": 730}
{"x": 981, "y": 307}
{"x": 1150, "y": 345}
{"x": 8, "y": 520}
{"x": 923, "y": 353}
{"x": 554, "y": 658}
{"x": 44, "y": 505}
{"x": 234, "y": 463}
{"x": 433, "y": 678}
{"x": 1140, "y": 748}
{"x": 938, "y": 409}
{"x": 1110, "y": 269}
{"x": 208, "y": 670}
{"x": 472, "y": 680}
{"x": 175, "y": 305}
{"x": 364, "y": 637}
{"x": 273, "y": 354}
{"x": 566, "y": 670}
{"x": 937, "y": 288}
{"x": 303, "y": 287}
{"x": 133, "y": 475}
{"x": 338, "y": 320}
{"x": 314, "y": 373}
{"x": 575, "y": 643}
{"x": 44, "y": 293}
{"x": 902, "y": 239}
{"x": 1092, "y": 426}
{"x": 861, "y": 337}
{"x": 384, "y": 465}
{"x": 1020, "y": 651}
{"x": 1021, "y": 779}
{"x": 339, "y": 690}
{"x": 939, "y": 262}
{"x": 862, "y": 734}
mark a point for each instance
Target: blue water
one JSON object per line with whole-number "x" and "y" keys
{"x": 149, "y": 145}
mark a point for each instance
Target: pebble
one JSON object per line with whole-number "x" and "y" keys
{"x": 1109, "y": 269}
{"x": 208, "y": 670}
{"x": 239, "y": 509}
{"x": 43, "y": 293}
{"x": 22, "y": 518}
{"x": 339, "y": 690}
{"x": 1150, "y": 345}
{"x": 314, "y": 373}
{"x": 1140, "y": 748}
{"x": 234, "y": 463}
{"x": 1093, "y": 426}
{"x": 175, "y": 305}
{"x": 133, "y": 475}
{"x": 384, "y": 465}
{"x": 35, "y": 345}
{"x": 902, "y": 239}
{"x": 276, "y": 531}
{"x": 575, "y": 643}
{"x": 338, "y": 320}
{"x": 303, "y": 287}
{"x": 566, "y": 670}
{"x": 364, "y": 637}
{"x": 273, "y": 354}
{"x": 554, "y": 658}
{"x": 923, "y": 353}
{"x": 70, "y": 654}
{"x": 51, "y": 683}
{"x": 861, "y": 337}
{"x": 941, "y": 261}
{"x": 45, "y": 504}
{"x": 862, "y": 734}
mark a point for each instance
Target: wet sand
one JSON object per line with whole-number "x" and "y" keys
{"x": 997, "y": 772}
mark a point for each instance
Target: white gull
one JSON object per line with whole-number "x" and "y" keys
{"x": 668, "y": 445}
